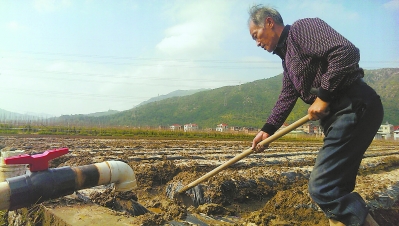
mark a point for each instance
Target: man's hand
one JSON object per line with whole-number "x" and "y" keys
{"x": 319, "y": 109}
{"x": 258, "y": 138}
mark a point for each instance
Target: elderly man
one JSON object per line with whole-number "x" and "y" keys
{"x": 322, "y": 68}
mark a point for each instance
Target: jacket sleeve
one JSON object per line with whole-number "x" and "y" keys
{"x": 283, "y": 107}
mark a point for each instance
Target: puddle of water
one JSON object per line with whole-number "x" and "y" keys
{"x": 155, "y": 210}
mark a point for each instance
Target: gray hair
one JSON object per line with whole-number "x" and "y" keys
{"x": 258, "y": 14}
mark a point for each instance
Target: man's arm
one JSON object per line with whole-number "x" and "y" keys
{"x": 279, "y": 114}
{"x": 283, "y": 107}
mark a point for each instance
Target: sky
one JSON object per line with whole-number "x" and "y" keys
{"x": 63, "y": 57}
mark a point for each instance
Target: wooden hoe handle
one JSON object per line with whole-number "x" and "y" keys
{"x": 245, "y": 153}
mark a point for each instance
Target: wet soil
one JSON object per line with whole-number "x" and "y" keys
{"x": 263, "y": 189}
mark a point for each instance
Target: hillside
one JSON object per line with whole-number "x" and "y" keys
{"x": 99, "y": 114}
{"x": 386, "y": 83}
{"x": 243, "y": 105}
{"x": 8, "y": 115}
{"x": 177, "y": 93}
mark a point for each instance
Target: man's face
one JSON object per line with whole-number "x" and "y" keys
{"x": 265, "y": 36}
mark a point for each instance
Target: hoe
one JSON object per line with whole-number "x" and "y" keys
{"x": 181, "y": 193}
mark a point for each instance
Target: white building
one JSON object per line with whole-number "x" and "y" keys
{"x": 222, "y": 127}
{"x": 190, "y": 127}
{"x": 175, "y": 127}
{"x": 385, "y": 131}
{"x": 396, "y": 134}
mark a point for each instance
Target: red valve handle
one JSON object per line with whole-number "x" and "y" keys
{"x": 38, "y": 162}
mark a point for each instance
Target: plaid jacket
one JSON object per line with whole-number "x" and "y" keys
{"x": 314, "y": 55}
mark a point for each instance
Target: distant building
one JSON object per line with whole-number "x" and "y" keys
{"x": 307, "y": 128}
{"x": 235, "y": 128}
{"x": 222, "y": 127}
{"x": 250, "y": 129}
{"x": 190, "y": 127}
{"x": 310, "y": 128}
{"x": 385, "y": 131}
{"x": 175, "y": 127}
{"x": 162, "y": 127}
{"x": 396, "y": 133}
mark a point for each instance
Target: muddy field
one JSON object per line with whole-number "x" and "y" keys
{"x": 263, "y": 189}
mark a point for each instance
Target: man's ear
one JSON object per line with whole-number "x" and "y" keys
{"x": 269, "y": 22}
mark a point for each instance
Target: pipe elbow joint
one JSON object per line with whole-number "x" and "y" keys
{"x": 119, "y": 173}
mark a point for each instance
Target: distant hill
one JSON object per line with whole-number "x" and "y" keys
{"x": 177, "y": 93}
{"x": 386, "y": 83}
{"x": 105, "y": 113}
{"x": 247, "y": 105}
{"x": 8, "y": 115}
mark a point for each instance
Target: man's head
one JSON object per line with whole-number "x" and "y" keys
{"x": 265, "y": 26}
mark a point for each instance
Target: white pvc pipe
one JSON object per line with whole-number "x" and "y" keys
{"x": 116, "y": 172}
{"x": 5, "y": 194}
{"x": 7, "y": 171}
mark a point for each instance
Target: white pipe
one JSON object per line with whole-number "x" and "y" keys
{"x": 117, "y": 172}
{"x": 5, "y": 194}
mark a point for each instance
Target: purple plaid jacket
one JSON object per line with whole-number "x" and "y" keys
{"x": 314, "y": 55}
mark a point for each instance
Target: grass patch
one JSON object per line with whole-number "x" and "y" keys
{"x": 138, "y": 133}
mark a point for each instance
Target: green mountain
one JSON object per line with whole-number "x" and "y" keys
{"x": 105, "y": 113}
{"x": 177, "y": 93}
{"x": 246, "y": 105}
{"x": 8, "y": 115}
{"x": 386, "y": 83}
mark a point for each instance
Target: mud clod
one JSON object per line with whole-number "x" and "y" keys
{"x": 119, "y": 201}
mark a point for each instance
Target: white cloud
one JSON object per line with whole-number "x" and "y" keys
{"x": 51, "y": 5}
{"x": 392, "y": 5}
{"x": 193, "y": 36}
{"x": 14, "y": 26}
{"x": 58, "y": 66}
{"x": 200, "y": 28}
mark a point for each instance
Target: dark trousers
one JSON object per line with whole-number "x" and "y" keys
{"x": 349, "y": 129}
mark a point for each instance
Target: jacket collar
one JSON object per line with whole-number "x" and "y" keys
{"x": 281, "y": 47}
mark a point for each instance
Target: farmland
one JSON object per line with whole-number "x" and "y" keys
{"x": 267, "y": 188}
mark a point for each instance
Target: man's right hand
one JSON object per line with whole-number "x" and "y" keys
{"x": 258, "y": 138}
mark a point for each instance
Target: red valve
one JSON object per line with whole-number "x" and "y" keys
{"x": 38, "y": 162}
